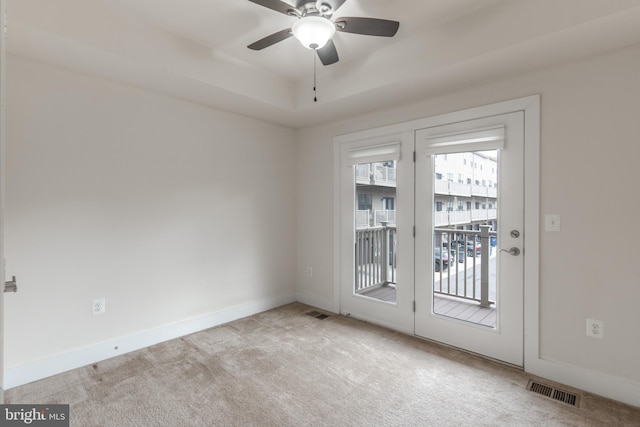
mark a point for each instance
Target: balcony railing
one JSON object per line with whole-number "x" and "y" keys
{"x": 363, "y": 218}
{"x": 379, "y": 217}
{"x": 452, "y": 188}
{"x": 446, "y": 218}
{"x": 384, "y": 175}
{"x": 376, "y": 174}
{"x": 465, "y": 272}
{"x": 375, "y": 257}
{"x": 382, "y": 216}
{"x": 484, "y": 214}
{"x": 363, "y": 173}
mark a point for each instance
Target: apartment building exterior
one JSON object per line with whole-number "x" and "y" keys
{"x": 465, "y": 191}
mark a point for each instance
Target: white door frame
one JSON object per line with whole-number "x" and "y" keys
{"x": 530, "y": 105}
{"x": 2, "y": 180}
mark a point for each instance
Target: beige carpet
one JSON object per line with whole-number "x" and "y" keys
{"x": 285, "y": 368}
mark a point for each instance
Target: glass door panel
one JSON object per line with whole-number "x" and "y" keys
{"x": 376, "y": 246}
{"x": 465, "y": 236}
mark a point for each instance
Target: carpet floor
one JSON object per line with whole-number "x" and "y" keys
{"x": 285, "y": 368}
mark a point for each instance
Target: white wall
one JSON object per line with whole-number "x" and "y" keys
{"x": 169, "y": 210}
{"x": 589, "y": 175}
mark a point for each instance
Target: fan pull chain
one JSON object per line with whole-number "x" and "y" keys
{"x": 315, "y": 92}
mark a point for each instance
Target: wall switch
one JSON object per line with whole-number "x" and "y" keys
{"x": 595, "y": 328}
{"x": 552, "y": 222}
{"x": 98, "y": 306}
{"x": 309, "y": 272}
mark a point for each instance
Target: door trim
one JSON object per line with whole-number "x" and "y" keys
{"x": 3, "y": 117}
{"x": 530, "y": 105}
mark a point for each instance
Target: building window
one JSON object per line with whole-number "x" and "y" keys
{"x": 450, "y": 177}
{"x": 438, "y": 175}
{"x": 477, "y": 205}
{"x": 364, "y": 202}
{"x": 460, "y": 179}
{"x": 468, "y": 181}
{"x": 450, "y": 205}
{"x": 438, "y": 206}
{"x": 484, "y": 182}
{"x": 460, "y": 205}
{"x": 468, "y": 206}
{"x": 388, "y": 203}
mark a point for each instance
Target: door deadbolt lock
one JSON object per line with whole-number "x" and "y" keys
{"x": 515, "y": 234}
{"x": 513, "y": 251}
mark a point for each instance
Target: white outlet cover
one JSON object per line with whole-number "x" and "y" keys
{"x": 595, "y": 328}
{"x": 98, "y": 306}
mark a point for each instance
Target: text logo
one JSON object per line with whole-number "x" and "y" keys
{"x": 34, "y": 415}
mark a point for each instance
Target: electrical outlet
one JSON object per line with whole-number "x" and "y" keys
{"x": 309, "y": 272}
{"x": 98, "y": 306}
{"x": 595, "y": 328}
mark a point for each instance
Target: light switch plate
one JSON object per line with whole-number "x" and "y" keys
{"x": 552, "y": 222}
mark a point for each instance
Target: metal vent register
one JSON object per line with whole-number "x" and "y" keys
{"x": 317, "y": 315}
{"x": 554, "y": 393}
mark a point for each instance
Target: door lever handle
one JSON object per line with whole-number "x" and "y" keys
{"x": 513, "y": 251}
{"x": 11, "y": 285}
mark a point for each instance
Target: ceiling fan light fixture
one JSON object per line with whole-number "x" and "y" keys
{"x": 313, "y": 31}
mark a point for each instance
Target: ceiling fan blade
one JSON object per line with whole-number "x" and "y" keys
{"x": 328, "y": 54}
{"x": 272, "y": 39}
{"x": 368, "y": 26}
{"x": 277, "y": 5}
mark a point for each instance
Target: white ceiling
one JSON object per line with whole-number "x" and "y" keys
{"x": 196, "y": 49}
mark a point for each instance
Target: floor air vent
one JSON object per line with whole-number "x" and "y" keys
{"x": 317, "y": 315}
{"x": 554, "y": 393}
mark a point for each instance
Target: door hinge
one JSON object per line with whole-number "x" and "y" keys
{"x": 414, "y": 231}
{"x": 414, "y": 306}
{"x": 414, "y": 157}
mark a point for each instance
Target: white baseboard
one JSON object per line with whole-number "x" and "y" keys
{"x": 587, "y": 380}
{"x": 584, "y": 379}
{"x": 43, "y": 368}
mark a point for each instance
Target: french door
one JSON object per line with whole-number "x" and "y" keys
{"x": 431, "y": 233}
{"x": 470, "y": 222}
{"x": 376, "y": 242}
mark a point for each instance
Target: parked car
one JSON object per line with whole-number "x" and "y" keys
{"x": 440, "y": 261}
{"x": 456, "y": 252}
{"x": 472, "y": 246}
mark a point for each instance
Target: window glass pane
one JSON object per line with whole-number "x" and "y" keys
{"x": 376, "y": 245}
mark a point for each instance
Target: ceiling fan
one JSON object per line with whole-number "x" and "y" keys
{"x": 314, "y": 28}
